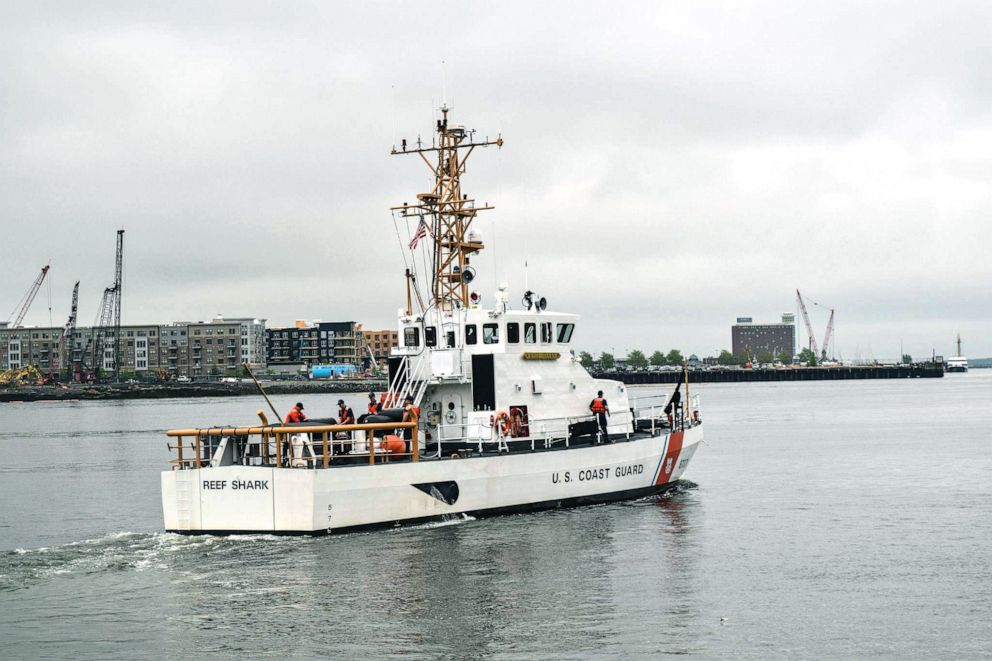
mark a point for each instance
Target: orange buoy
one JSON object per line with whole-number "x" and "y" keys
{"x": 393, "y": 444}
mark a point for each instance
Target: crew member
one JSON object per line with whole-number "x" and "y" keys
{"x": 296, "y": 414}
{"x": 345, "y": 417}
{"x": 373, "y": 405}
{"x": 411, "y": 413}
{"x": 601, "y": 410}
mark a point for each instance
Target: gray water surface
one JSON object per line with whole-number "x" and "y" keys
{"x": 820, "y": 520}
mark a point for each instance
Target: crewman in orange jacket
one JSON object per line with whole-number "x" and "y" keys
{"x": 411, "y": 413}
{"x": 296, "y": 414}
{"x": 601, "y": 409}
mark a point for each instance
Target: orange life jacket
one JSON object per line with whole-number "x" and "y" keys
{"x": 598, "y": 405}
{"x": 295, "y": 415}
{"x": 373, "y": 408}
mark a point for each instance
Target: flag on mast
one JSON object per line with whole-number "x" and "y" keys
{"x": 422, "y": 231}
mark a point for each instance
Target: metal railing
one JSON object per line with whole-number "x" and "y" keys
{"x": 544, "y": 431}
{"x": 686, "y": 414}
{"x": 197, "y": 447}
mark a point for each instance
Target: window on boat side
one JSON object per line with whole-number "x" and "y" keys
{"x": 451, "y": 339}
{"x": 546, "y": 332}
{"x": 530, "y": 333}
{"x": 471, "y": 334}
{"x": 565, "y": 333}
{"x": 430, "y": 336}
{"x": 411, "y": 336}
{"x": 513, "y": 332}
{"x": 490, "y": 333}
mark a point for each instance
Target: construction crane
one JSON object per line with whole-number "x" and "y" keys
{"x": 109, "y": 318}
{"x": 828, "y": 336}
{"x": 65, "y": 343}
{"x": 25, "y": 303}
{"x": 809, "y": 326}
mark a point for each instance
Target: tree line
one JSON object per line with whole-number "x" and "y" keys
{"x": 637, "y": 359}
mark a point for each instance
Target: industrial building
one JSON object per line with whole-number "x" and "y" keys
{"x": 750, "y": 339}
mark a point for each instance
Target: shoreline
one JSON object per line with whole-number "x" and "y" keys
{"x": 108, "y": 391}
{"x": 916, "y": 371}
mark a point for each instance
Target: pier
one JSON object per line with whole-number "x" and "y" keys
{"x": 917, "y": 371}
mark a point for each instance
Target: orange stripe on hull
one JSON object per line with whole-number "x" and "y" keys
{"x": 671, "y": 458}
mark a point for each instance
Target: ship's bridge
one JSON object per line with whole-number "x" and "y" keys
{"x": 477, "y": 331}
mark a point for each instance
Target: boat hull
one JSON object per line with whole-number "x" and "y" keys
{"x": 255, "y": 499}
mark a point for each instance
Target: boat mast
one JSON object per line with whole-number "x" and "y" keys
{"x": 448, "y": 212}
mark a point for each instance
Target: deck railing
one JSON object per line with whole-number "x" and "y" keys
{"x": 196, "y": 447}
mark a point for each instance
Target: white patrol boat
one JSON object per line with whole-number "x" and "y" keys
{"x": 499, "y": 416}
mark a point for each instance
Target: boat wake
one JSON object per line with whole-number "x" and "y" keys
{"x": 447, "y": 520}
{"x": 116, "y": 552}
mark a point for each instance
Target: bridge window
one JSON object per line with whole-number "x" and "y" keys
{"x": 430, "y": 336}
{"x": 565, "y": 333}
{"x": 471, "y": 334}
{"x": 546, "y": 332}
{"x": 490, "y": 333}
{"x": 513, "y": 332}
{"x": 530, "y": 333}
{"x": 411, "y": 336}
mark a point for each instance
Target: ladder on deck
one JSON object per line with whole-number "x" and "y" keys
{"x": 410, "y": 381}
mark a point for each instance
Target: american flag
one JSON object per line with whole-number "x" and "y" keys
{"x": 422, "y": 231}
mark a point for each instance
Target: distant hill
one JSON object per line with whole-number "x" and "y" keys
{"x": 980, "y": 362}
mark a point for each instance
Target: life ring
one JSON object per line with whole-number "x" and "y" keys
{"x": 502, "y": 421}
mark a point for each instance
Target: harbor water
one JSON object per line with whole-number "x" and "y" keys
{"x": 821, "y": 520}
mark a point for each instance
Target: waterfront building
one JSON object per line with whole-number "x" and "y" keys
{"x": 215, "y": 348}
{"x": 174, "y": 350}
{"x": 315, "y": 343}
{"x": 87, "y": 350}
{"x": 380, "y": 343}
{"x": 774, "y": 338}
{"x": 253, "y": 338}
{"x": 20, "y": 347}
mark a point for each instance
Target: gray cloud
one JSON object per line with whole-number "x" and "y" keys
{"x": 667, "y": 167}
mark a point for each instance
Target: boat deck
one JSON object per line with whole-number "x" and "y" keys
{"x": 321, "y": 446}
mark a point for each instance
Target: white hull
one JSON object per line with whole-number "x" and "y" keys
{"x": 230, "y": 499}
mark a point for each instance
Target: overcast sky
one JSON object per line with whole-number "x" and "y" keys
{"x": 667, "y": 167}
